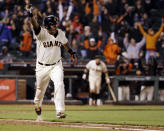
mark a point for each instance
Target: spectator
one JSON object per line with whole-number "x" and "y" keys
{"x": 96, "y": 11}
{"x": 92, "y": 47}
{"x": 95, "y": 26}
{"x": 135, "y": 87}
{"x": 146, "y": 20}
{"x": 135, "y": 33}
{"x": 111, "y": 6}
{"x": 88, "y": 12}
{"x": 5, "y": 57}
{"x": 110, "y": 51}
{"x": 139, "y": 10}
{"x": 82, "y": 37}
{"x": 75, "y": 47}
{"x": 77, "y": 26}
{"x": 116, "y": 21}
{"x": 26, "y": 43}
{"x": 5, "y": 34}
{"x": 133, "y": 48}
{"x": 105, "y": 24}
{"x": 147, "y": 88}
{"x": 161, "y": 87}
{"x": 123, "y": 67}
{"x": 149, "y": 5}
{"x": 151, "y": 40}
{"x": 160, "y": 49}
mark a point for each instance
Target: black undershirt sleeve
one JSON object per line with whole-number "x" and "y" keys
{"x": 37, "y": 31}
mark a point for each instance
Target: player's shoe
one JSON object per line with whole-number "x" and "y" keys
{"x": 92, "y": 102}
{"x": 39, "y": 118}
{"x": 38, "y": 111}
{"x": 60, "y": 115}
{"x": 99, "y": 102}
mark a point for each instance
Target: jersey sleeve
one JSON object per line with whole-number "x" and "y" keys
{"x": 41, "y": 34}
{"x": 88, "y": 66}
{"x": 104, "y": 67}
{"x": 64, "y": 39}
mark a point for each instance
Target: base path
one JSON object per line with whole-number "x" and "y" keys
{"x": 82, "y": 125}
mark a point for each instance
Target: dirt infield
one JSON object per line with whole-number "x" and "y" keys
{"x": 82, "y": 125}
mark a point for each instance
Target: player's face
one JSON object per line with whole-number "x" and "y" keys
{"x": 97, "y": 61}
{"x": 52, "y": 29}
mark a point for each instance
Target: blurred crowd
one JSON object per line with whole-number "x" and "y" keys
{"x": 111, "y": 28}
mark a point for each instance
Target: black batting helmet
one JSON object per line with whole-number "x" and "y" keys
{"x": 50, "y": 20}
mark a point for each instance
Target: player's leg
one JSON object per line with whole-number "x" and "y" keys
{"x": 150, "y": 91}
{"x": 120, "y": 93}
{"x": 126, "y": 93}
{"x": 143, "y": 93}
{"x": 57, "y": 76}
{"x": 41, "y": 85}
{"x": 42, "y": 80}
{"x": 98, "y": 86}
{"x": 91, "y": 91}
{"x": 161, "y": 94}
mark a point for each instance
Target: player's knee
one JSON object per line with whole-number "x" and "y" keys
{"x": 92, "y": 91}
{"x": 59, "y": 84}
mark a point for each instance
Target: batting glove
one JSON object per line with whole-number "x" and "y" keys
{"x": 73, "y": 55}
{"x": 107, "y": 80}
{"x": 84, "y": 76}
{"x": 29, "y": 9}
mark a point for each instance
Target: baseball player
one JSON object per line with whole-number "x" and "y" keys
{"x": 48, "y": 63}
{"x": 95, "y": 68}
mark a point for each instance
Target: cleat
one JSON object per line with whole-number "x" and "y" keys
{"x": 39, "y": 118}
{"x": 38, "y": 110}
{"x": 99, "y": 102}
{"x": 61, "y": 115}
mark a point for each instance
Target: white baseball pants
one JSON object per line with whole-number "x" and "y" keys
{"x": 94, "y": 85}
{"x": 123, "y": 93}
{"x": 147, "y": 93}
{"x": 43, "y": 76}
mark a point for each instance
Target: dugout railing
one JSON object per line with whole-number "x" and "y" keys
{"x": 155, "y": 79}
{"x": 31, "y": 80}
{"x": 115, "y": 82}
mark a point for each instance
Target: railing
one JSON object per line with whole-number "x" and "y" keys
{"x": 17, "y": 77}
{"x": 155, "y": 79}
{"x": 115, "y": 80}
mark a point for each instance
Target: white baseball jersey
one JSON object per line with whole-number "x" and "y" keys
{"x": 48, "y": 46}
{"x": 96, "y": 70}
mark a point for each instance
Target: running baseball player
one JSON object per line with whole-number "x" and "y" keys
{"x": 48, "y": 63}
{"x": 95, "y": 68}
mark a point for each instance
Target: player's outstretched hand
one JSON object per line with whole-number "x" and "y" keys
{"x": 74, "y": 57}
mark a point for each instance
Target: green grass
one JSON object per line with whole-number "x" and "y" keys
{"x": 130, "y": 115}
{"x": 40, "y": 128}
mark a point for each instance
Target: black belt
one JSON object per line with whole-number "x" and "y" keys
{"x": 49, "y": 64}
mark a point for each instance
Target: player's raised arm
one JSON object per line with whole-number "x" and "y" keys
{"x": 71, "y": 52}
{"x": 33, "y": 20}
